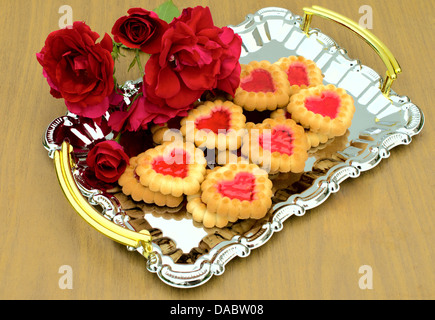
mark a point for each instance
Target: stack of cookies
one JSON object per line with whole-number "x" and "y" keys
{"x": 302, "y": 113}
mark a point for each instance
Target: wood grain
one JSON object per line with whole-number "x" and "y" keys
{"x": 383, "y": 219}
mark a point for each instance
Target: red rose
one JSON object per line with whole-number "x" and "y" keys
{"x": 142, "y": 29}
{"x": 108, "y": 161}
{"x": 78, "y": 69}
{"x": 195, "y": 56}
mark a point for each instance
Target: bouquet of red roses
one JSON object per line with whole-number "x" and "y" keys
{"x": 188, "y": 57}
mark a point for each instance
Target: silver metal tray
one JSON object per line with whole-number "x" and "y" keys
{"x": 187, "y": 255}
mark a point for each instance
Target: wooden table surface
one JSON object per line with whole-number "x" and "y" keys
{"x": 385, "y": 219}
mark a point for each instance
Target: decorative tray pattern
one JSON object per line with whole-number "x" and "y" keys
{"x": 185, "y": 254}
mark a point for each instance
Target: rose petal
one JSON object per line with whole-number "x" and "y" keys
{"x": 168, "y": 83}
{"x": 107, "y": 43}
{"x": 94, "y": 111}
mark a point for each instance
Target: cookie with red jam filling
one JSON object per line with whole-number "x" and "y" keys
{"x": 323, "y": 109}
{"x": 237, "y": 191}
{"x": 314, "y": 139}
{"x": 131, "y": 186}
{"x": 173, "y": 168}
{"x": 277, "y": 145}
{"x": 200, "y": 214}
{"x": 301, "y": 73}
{"x": 215, "y": 125}
{"x": 263, "y": 86}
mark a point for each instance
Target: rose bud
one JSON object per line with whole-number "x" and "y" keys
{"x": 108, "y": 161}
{"x": 141, "y": 29}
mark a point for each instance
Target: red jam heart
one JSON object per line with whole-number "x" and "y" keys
{"x": 242, "y": 187}
{"x": 279, "y": 140}
{"x": 219, "y": 119}
{"x": 327, "y": 105}
{"x": 297, "y": 74}
{"x": 176, "y": 165}
{"x": 259, "y": 80}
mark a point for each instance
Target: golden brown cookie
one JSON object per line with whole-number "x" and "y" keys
{"x": 301, "y": 73}
{"x": 199, "y": 211}
{"x": 200, "y": 214}
{"x": 237, "y": 191}
{"x": 173, "y": 168}
{"x": 215, "y": 124}
{"x": 277, "y": 145}
{"x": 263, "y": 86}
{"x": 323, "y": 109}
{"x": 314, "y": 139}
{"x": 129, "y": 181}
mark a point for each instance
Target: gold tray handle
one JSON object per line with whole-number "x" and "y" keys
{"x": 393, "y": 67}
{"x": 63, "y": 163}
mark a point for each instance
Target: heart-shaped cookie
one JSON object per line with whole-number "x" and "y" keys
{"x": 237, "y": 191}
{"x": 323, "y": 109}
{"x": 301, "y": 73}
{"x": 259, "y": 80}
{"x": 175, "y": 165}
{"x": 131, "y": 186}
{"x": 277, "y": 145}
{"x": 219, "y": 119}
{"x": 263, "y": 86}
{"x": 242, "y": 187}
{"x": 173, "y": 168}
{"x": 200, "y": 214}
{"x": 278, "y": 140}
{"x": 297, "y": 74}
{"x": 215, "y": 125}
{"x": 314, "y": 139}
{"x": 327, "y": 104}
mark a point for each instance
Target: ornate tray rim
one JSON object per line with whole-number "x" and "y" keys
{"x": 213, "y": 263}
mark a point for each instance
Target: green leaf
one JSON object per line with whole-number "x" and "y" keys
{"x": 116, "y": 52}
{"x": 167, "y": 11}
{"x": 132, "y": 64}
